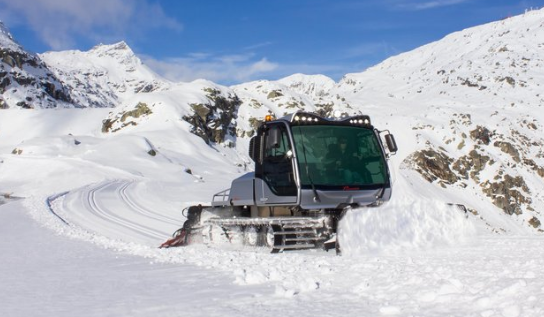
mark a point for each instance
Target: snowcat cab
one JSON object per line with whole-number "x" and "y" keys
{"x": 309, "y": 171}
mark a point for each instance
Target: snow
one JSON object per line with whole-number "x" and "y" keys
{"x": 82, "y": 212}
{"x": 6, "y": 39}
{"x": 69, "y": 270}
{"x": 65, "y": 277}
{"x": 93, "y": 214}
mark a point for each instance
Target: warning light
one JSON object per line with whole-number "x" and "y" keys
{"x": 268, "y": 117}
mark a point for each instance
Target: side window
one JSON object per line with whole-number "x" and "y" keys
{"x": 277, "y": 164}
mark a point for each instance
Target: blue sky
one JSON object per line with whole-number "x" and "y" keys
{"x": 234, "y": 41}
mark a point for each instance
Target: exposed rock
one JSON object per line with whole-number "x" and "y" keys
{"x": 433, "y": 166}
{"x": 509, "y": 149}
{"x": 274, "y": 94}
{"x": 506, "y": 193}
{"x": 465, "y": 118}
{"x": 538, "y": 169}
{"x": 292, "y": 104}
{"x": 214, "y": 121}
{"x": 534, "y": 222}
{"x": 120, "y": 121}
{"x": 511, "y": 81}
{"x": 255, "y": 104}
{"x": 201, "y": 110}
{"x": 141, "y": 109}
{"x": 471, "y": 165}
{"x": 255, "y": 124}
{"x": 461, "y": 145}
{"x": 481, "y": 135}
{"x": 325, "y": 110}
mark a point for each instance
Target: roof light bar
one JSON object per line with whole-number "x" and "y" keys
{"x": 360, "y": 120}
{"x": 305, "y": 118}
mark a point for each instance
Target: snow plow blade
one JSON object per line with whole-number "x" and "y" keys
{"x": 179, "y": 238}
{"x": 182, "y": 236}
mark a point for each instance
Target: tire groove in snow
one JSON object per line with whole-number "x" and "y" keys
{"x": 110, "y": 215}
{"x": 88, "y": 208}
{"x": 135, "y": 206}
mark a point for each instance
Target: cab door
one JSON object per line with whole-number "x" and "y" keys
{"x": 275, "y": 181}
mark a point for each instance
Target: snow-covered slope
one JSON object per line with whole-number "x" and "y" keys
{"x": 25, "y": 80}
{"x": 497, "y": 64}
{"x": 471, "y": 107}
{"x": 315, "y": 86}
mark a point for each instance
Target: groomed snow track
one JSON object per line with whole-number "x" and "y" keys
{"x": 111, "y": 209}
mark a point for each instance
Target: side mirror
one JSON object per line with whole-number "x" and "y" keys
{"x": 255, "y": 152}
{"x": 273, "y": 138}
{"x": 252, "y": 148}
{"x": 391, "y": 144}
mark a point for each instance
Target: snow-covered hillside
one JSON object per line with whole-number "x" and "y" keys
{"x": 464, "y": 109}
{"x": 111, "y": 199}
{"x": 473, "y": 103}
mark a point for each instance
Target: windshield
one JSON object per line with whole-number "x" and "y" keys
{"x": 332, "y": 156}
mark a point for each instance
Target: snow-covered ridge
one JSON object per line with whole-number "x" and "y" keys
{"x": 496, "y": 60}
{"x": 104, "y": 76}
{"x": 25, "y": 81}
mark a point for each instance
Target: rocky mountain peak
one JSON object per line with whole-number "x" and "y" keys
{"x": 104, "y": 76}
{"x": 120, "y": 52}
{"x": 25, "y": 80}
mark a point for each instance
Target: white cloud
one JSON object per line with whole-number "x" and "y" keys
{"x": 425, "y": 5}
{"x": 258, "y": 45}
{"x": 59, "y": 22}
{"x": 229, "y": 69}
{"x": 238, "y": 68}
{"x": 436, "y": 4}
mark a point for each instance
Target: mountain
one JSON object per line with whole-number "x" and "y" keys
{"x": 465, "y": 111}
{"x": 104, "y": 76}
{"x": 25, "y": 80}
